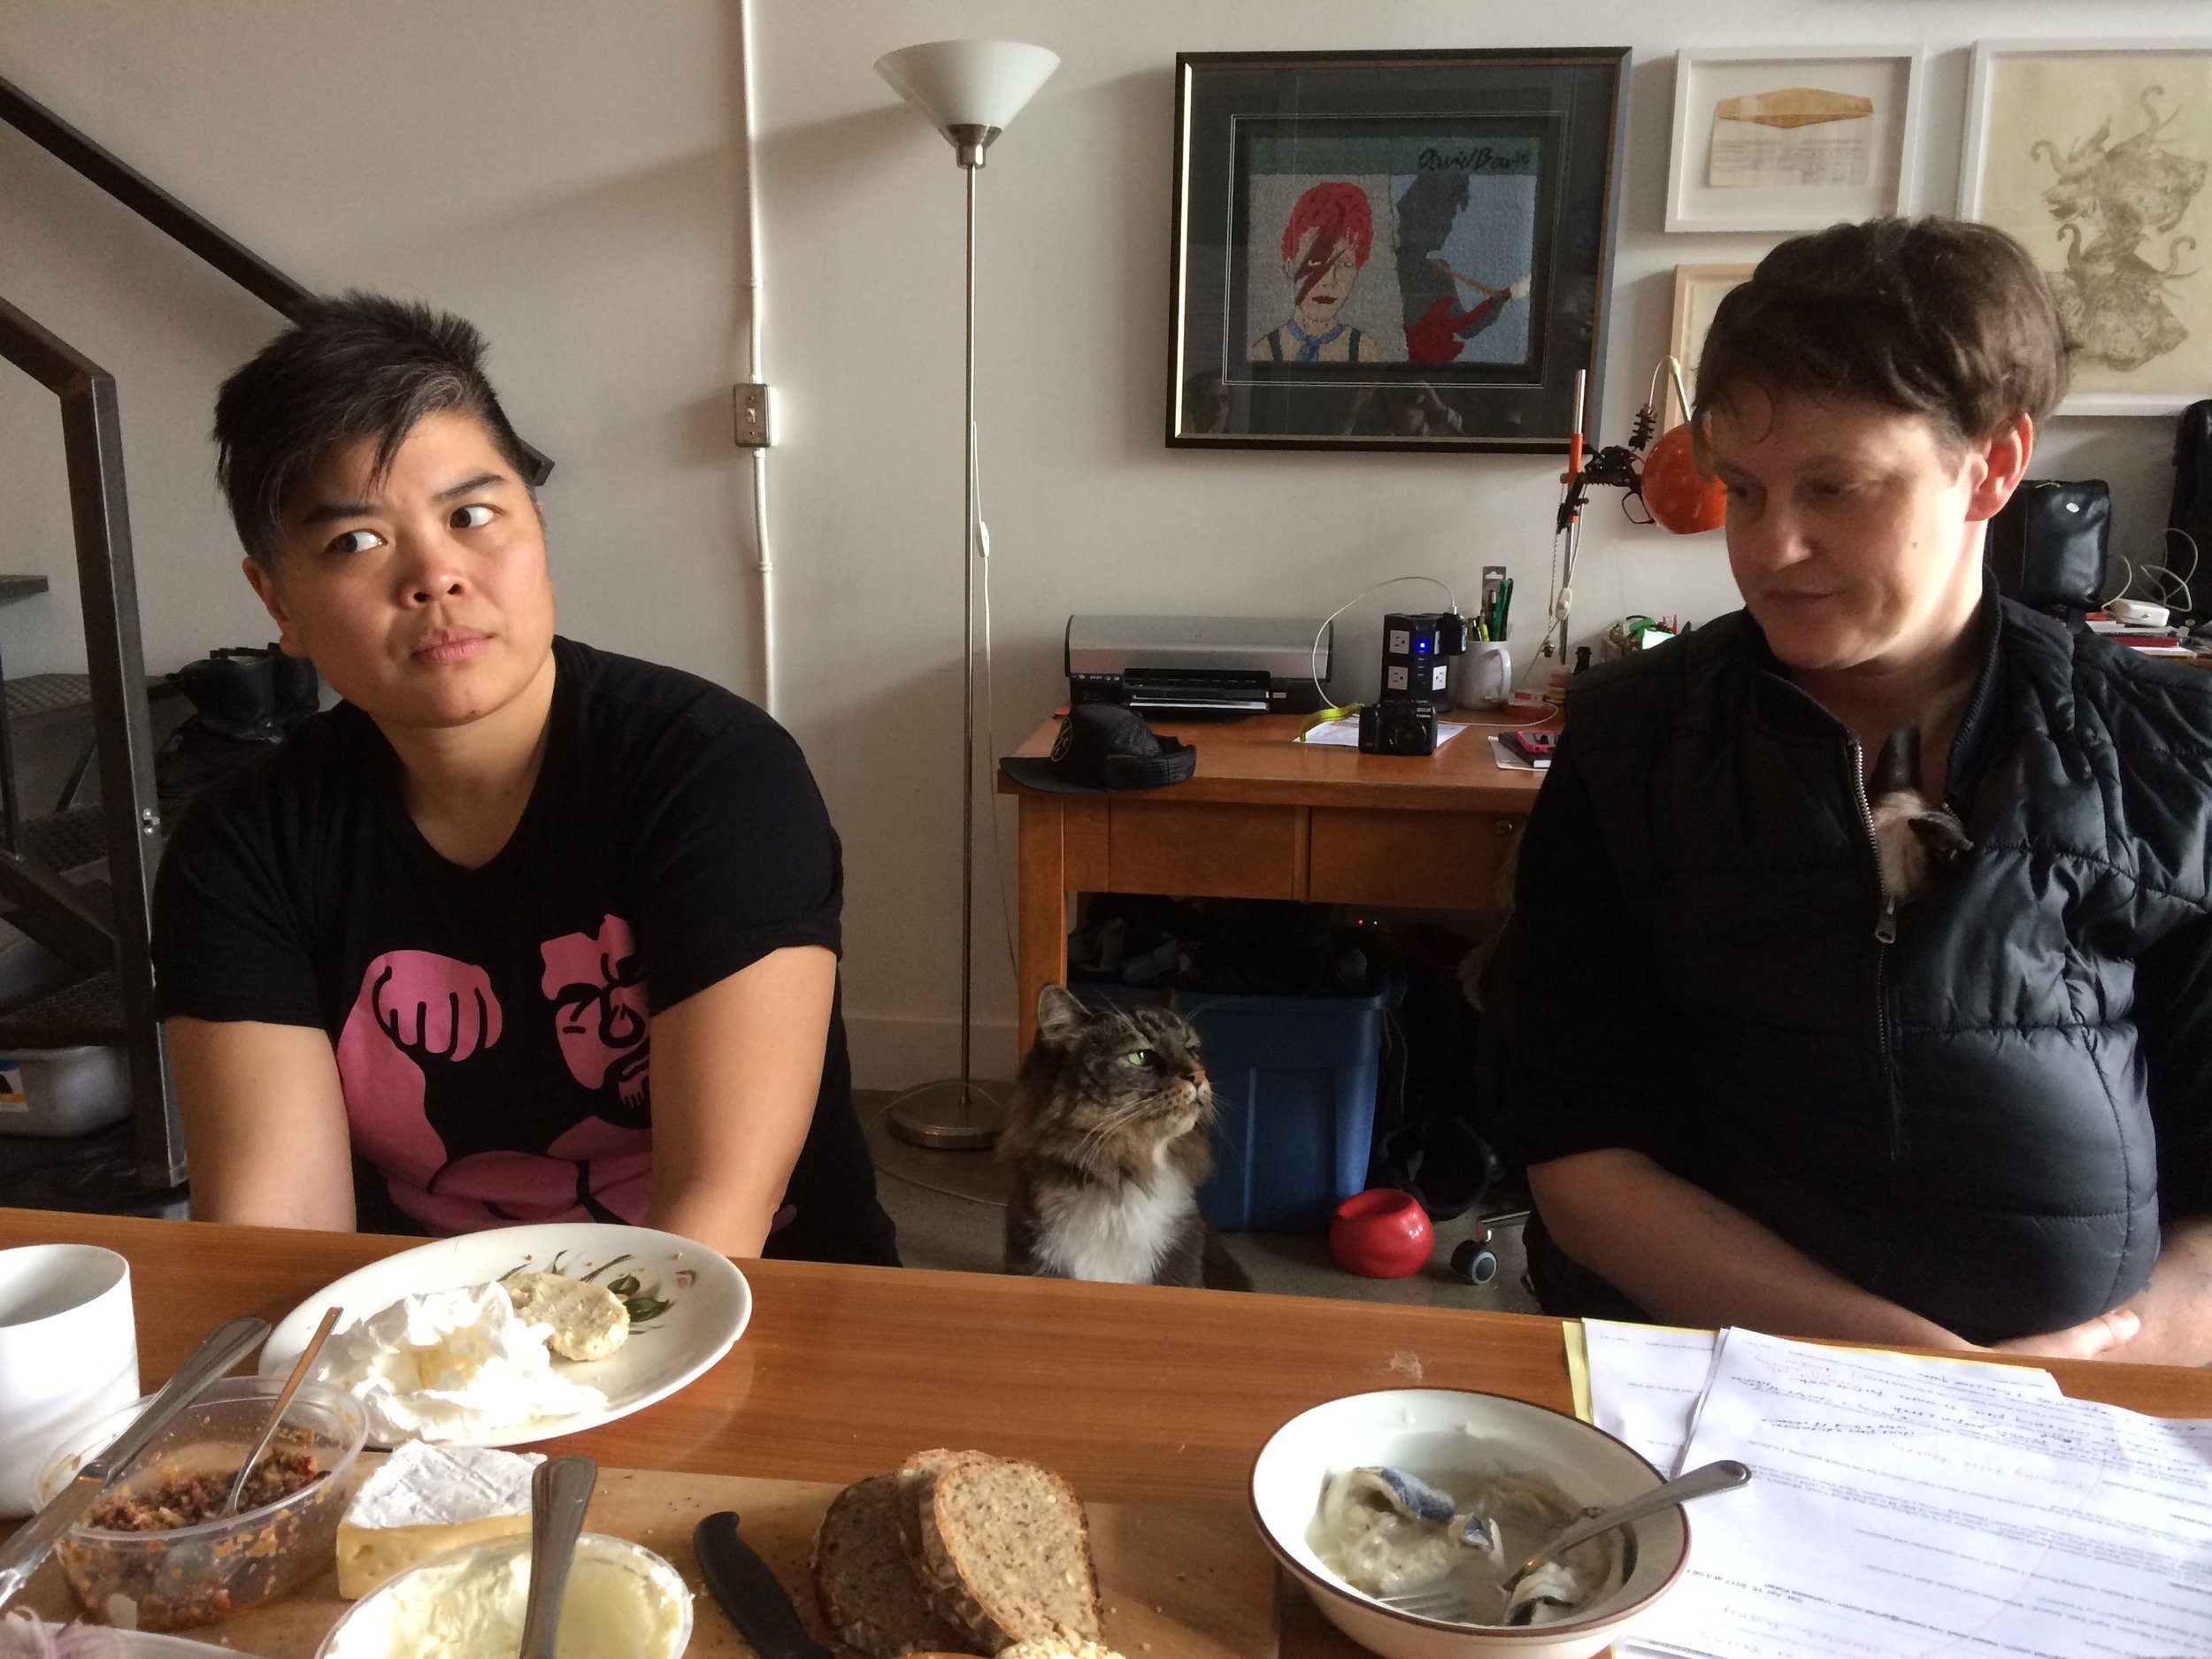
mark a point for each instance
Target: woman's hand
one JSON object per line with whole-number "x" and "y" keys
{"x": 2101, "y": 1338}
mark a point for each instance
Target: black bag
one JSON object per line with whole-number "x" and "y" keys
{"x": 2047, "y": 545}
{"x": 245, "y": 700}
{"x": 2192, "y": 513}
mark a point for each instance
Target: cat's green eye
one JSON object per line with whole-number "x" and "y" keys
{"x": 1138, "y": 1056}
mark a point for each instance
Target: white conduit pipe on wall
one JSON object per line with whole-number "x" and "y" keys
{"x": 755, "y": 370}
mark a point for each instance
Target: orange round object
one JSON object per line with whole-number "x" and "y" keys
{"x": 1681, "y": 498}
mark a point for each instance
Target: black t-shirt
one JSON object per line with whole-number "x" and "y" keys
{"x": 491, "y": 1024}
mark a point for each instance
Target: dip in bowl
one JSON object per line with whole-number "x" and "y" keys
{"x": 1462, "y": 1443}
{"x": 623, "y": 1601}
{"x": 153, "y": 1554}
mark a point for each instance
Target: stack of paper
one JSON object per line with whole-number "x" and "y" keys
{"x": 1903, "y": 1506}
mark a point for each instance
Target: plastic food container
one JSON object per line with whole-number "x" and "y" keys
{"x": 623, "y": 1601}
{"x": 193, "y": 1575}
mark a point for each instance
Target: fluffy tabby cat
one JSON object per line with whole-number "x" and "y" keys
{"x": 1917, "y": 841}
{"x": 1109, "y": 1134}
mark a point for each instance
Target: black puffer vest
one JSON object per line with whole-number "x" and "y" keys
{"x": 1964, "y": 1104}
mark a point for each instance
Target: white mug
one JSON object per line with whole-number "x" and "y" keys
{"x": 68, "y": 1354}
{"x": 1484, "y": 678}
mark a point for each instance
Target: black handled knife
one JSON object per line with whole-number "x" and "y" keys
{"x": 752, "y": 1596}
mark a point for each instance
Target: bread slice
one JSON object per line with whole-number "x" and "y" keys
{"x": 1005, "y": 1551}
{"x": 917, "y": 1479}
{"x": 869, "y": 1592}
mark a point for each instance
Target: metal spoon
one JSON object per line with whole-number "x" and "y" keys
{"x": 560, "y": 1489}
{"x": 1448, "y": 1602}
{"x": 276, "y": 1418}
{"x": 1701, "y": 1482}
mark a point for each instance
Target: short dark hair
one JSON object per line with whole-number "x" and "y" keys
{"x": 357, "y": 366}
{"x": 1933, "y": 317}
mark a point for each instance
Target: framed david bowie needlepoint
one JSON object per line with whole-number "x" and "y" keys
{"x": 1392, "y": 251}
{"x": 1769, "y": 139}
{"x": 2095, "y": 156}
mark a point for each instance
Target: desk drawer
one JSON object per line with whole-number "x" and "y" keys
{"x": 1230, "y": 852}
{"x": 1427, "y": 860}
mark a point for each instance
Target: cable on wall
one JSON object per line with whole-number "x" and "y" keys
{"x": 763, "y": 561}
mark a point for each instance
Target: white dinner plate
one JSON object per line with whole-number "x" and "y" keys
{"x": 706, "y": 1304}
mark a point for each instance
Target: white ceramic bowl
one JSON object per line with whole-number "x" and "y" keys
{"x": 458, "y": 1580}
{"x": 1443, "y": 1434}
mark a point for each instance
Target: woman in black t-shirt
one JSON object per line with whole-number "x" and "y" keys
{"x": 521, "y": 931}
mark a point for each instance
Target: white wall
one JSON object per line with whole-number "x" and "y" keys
{"x": 569, "y": 175}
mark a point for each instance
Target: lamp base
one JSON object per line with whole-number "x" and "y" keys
{"x": 948, "y": 1117}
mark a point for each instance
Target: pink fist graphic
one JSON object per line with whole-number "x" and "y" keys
{"x": 413, "y": 1006}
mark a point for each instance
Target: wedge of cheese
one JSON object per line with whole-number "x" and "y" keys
{"x": 426, "y": 1500}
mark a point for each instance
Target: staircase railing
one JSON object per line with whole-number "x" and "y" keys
{"x": 135, "y": 191}
{"x": 46, "y": 908}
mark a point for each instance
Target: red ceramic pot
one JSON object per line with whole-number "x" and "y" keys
{"x": 1381, "y": 1233}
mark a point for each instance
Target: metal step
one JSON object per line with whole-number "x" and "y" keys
{"x": 89, "y": 1012}
{"x": 66, "y": 841}
{"x": 48, "y": 694}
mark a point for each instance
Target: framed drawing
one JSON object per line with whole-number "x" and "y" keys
{"x": 1697, "y": 294}
{"x": 1392, "y": 251}
{"x": 2094, "y": 154}
{"x": 1770, "y": 140}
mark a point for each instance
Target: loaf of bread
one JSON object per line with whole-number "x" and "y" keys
{"x": 870, "y": 1595}
{"x": 1005, "y": 1551}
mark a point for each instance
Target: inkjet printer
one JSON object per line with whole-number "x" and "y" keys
{"x": 1179, "y": 667}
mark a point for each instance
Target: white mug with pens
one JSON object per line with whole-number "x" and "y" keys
{"x": 1484, "y": 676}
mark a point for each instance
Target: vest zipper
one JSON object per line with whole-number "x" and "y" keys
{"x": 1884, "y": 936}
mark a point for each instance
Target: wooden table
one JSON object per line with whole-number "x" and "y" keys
{"x": 1266, "y": 818}
{"x": 1134, "y": 1394}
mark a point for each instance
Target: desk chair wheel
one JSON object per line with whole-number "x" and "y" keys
{"x": 1474, "y": 1264}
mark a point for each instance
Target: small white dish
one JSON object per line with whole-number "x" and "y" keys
{"x": 1442, "y": 1435}
{"x": 68, "y": 1354}
{"x": 707, "y": 1307}
{"x": 479, "y": 1592}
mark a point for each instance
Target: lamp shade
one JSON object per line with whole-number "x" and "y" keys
{"x": 968, "y": 83}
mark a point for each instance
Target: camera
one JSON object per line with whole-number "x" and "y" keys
{"x": 1415, "y": 676}
{"x": 1397, "y": 726}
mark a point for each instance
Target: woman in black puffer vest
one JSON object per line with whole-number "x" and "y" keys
{"x": 1749, "y": 1085}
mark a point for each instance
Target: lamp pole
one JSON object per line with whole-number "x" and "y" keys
{"x": 963, "y": 1129}
{"x": 968, "y": 90}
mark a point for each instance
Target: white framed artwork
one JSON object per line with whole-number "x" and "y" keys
{"x": 2097, "y": 155}
{"x": 1769, "y": 139}
{"x": 1698, "y": 290}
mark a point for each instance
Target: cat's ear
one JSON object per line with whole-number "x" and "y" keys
{"x": 1059, "y": 1015}
{"x": 1897, "y": 771}
{"x": 1943, "y": 835}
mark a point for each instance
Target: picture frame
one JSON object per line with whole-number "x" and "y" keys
{"x": 1769, "y": 139}
{"x": 2097, "y": 156}
{"x": 1392, "y": 251}
{"x": 1698, "y": 290}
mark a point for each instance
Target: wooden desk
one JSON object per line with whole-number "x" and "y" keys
{"x": 1134, "y": 1394}
{"x": 1266, "y": 818}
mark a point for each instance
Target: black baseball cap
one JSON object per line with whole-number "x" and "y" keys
{"x": 1103, "y": 746}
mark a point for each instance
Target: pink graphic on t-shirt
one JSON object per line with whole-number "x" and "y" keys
{"x": 612, "y": 1165}
{"x": 600, "y": 1014}
{"x": 414, "y": 1006}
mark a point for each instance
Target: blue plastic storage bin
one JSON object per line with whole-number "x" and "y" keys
{"x": 1294, "y": 1083}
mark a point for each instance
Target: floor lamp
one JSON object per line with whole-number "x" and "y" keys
{"x": 968, "y": 90}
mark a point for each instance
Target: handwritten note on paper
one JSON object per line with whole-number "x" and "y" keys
{"x": 1898, "y": 1514}
{"x": 1791, "y": 137}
